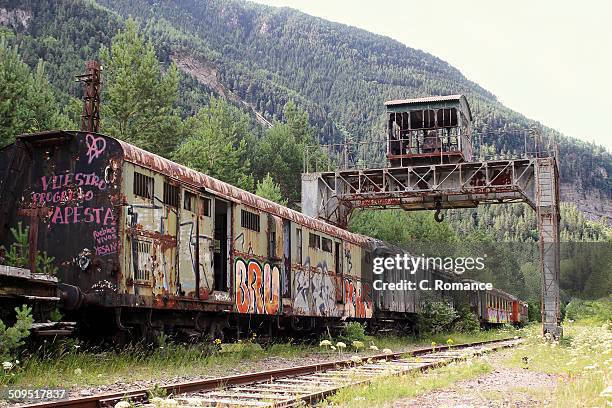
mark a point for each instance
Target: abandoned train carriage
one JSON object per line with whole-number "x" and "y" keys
{"x": 148, "y": 239}
{"x": 143, "y": 244}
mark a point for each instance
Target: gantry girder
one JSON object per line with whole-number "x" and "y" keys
{"x": 332, "y": 195}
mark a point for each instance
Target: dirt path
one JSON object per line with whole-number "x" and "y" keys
{"x": 502, "y": 387}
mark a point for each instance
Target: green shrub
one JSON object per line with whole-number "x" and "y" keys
{"x": 534, "y": 312}
{"x": 468, "y": 321}
{"x": 11, "y": 338}
{"x": 437, "y": 317}
{"x": 354, "y": 331}
{"x": 19, "y": 252}
{"x": 595, "y": 310}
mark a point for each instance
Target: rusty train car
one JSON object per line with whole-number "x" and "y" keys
{"x": 495, "y": 307}
{"x": 145, "y": 245}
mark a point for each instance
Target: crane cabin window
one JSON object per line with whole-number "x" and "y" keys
{"x": 143, "y": 186}
{"x": 447, "y": 117}
{"x": 171, "y": 195}
{"x": 249, "y": 220}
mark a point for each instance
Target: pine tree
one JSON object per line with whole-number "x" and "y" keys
{"x": 27, "y": 102}
{"x": 267, "y": 188}
{"x": 138, "y": 99}
{"x": 216, "y": 144}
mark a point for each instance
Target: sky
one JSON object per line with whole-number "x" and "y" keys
{"x": 549, "y": 60}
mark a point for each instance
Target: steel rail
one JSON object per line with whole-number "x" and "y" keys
{"x": 140, "y": 394}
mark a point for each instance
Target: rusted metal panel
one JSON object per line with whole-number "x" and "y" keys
{"x": 69, "y": 189}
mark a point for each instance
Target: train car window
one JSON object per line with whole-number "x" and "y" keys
{"x": 171, "y": 194}
{"x": 189, "y": 201}
{"x": 314, "y": 241}
{"x": 143, "y": 186}
{"x": 206, "y": 206}
{"x": 271, "y": 237}
{"x": 326, "y": 244}
{"x": 298, "y": 238}
{"x": 143, "y": 249}
{"x": 249, "y": 220}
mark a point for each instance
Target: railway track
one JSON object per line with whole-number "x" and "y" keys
{"x": 295, "y": 386}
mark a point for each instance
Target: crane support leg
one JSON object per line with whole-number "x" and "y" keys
{"x": 547, "y": 213}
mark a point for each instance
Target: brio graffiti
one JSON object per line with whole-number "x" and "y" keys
{"x": 257, "y": 288}
{"x": 358, "y": 298}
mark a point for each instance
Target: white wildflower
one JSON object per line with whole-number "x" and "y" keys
{"x": 590, "y": 367}
{"x": 122, "y": 404}
{"x": 325, "y": 343}
{"x": 340, "y": 345}
{"x": 7, "y": 365}
{"x": 387, "y": 351}
{"x": 373, "y": 347}
{"x": 357, "y": 344}
{"x": 606, "y": 393}
{"x": 356, "y": 359}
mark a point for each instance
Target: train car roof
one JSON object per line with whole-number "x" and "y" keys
{"x": 152, "y": 161}
{"x": 495, "y": 290}
{"x": 430, "y": 102}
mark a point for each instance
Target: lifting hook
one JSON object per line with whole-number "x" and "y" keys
{"x": 438, "y": 216}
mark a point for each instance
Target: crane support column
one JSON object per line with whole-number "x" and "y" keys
{"x": 547, "y": 213}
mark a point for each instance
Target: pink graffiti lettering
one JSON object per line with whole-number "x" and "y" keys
{"x": 106, "y": 240}
{"x": 76, "y": 215}
{"x": 95, "y": 146}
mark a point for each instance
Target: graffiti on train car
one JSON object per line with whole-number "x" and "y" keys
{"x": 358, "y": 298}
{"x": 314, "y": 291}
{"x": 257, "y": 287}
{"x": 105, "y": 239}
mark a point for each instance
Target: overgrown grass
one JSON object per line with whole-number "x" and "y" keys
{"x": 582, "y": 360}
{"x": 382, "y": 391}
{"x": 593, "y": 311}
{"x": 66, "y": 364}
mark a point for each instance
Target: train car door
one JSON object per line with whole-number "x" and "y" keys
{"x": 222, "y": 236}
{"x": 338, "y": 268}
{"x": 195, "y": 246}
{"x": 286, "y": 280}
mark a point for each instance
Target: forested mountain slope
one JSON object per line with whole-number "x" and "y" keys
{"x": 260, "y": 57}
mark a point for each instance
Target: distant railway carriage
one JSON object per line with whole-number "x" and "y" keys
{"x": 497, "y": 307}
{"x": 144, "y": 245}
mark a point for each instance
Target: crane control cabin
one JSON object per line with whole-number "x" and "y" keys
{"x": 431, "y": 130}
